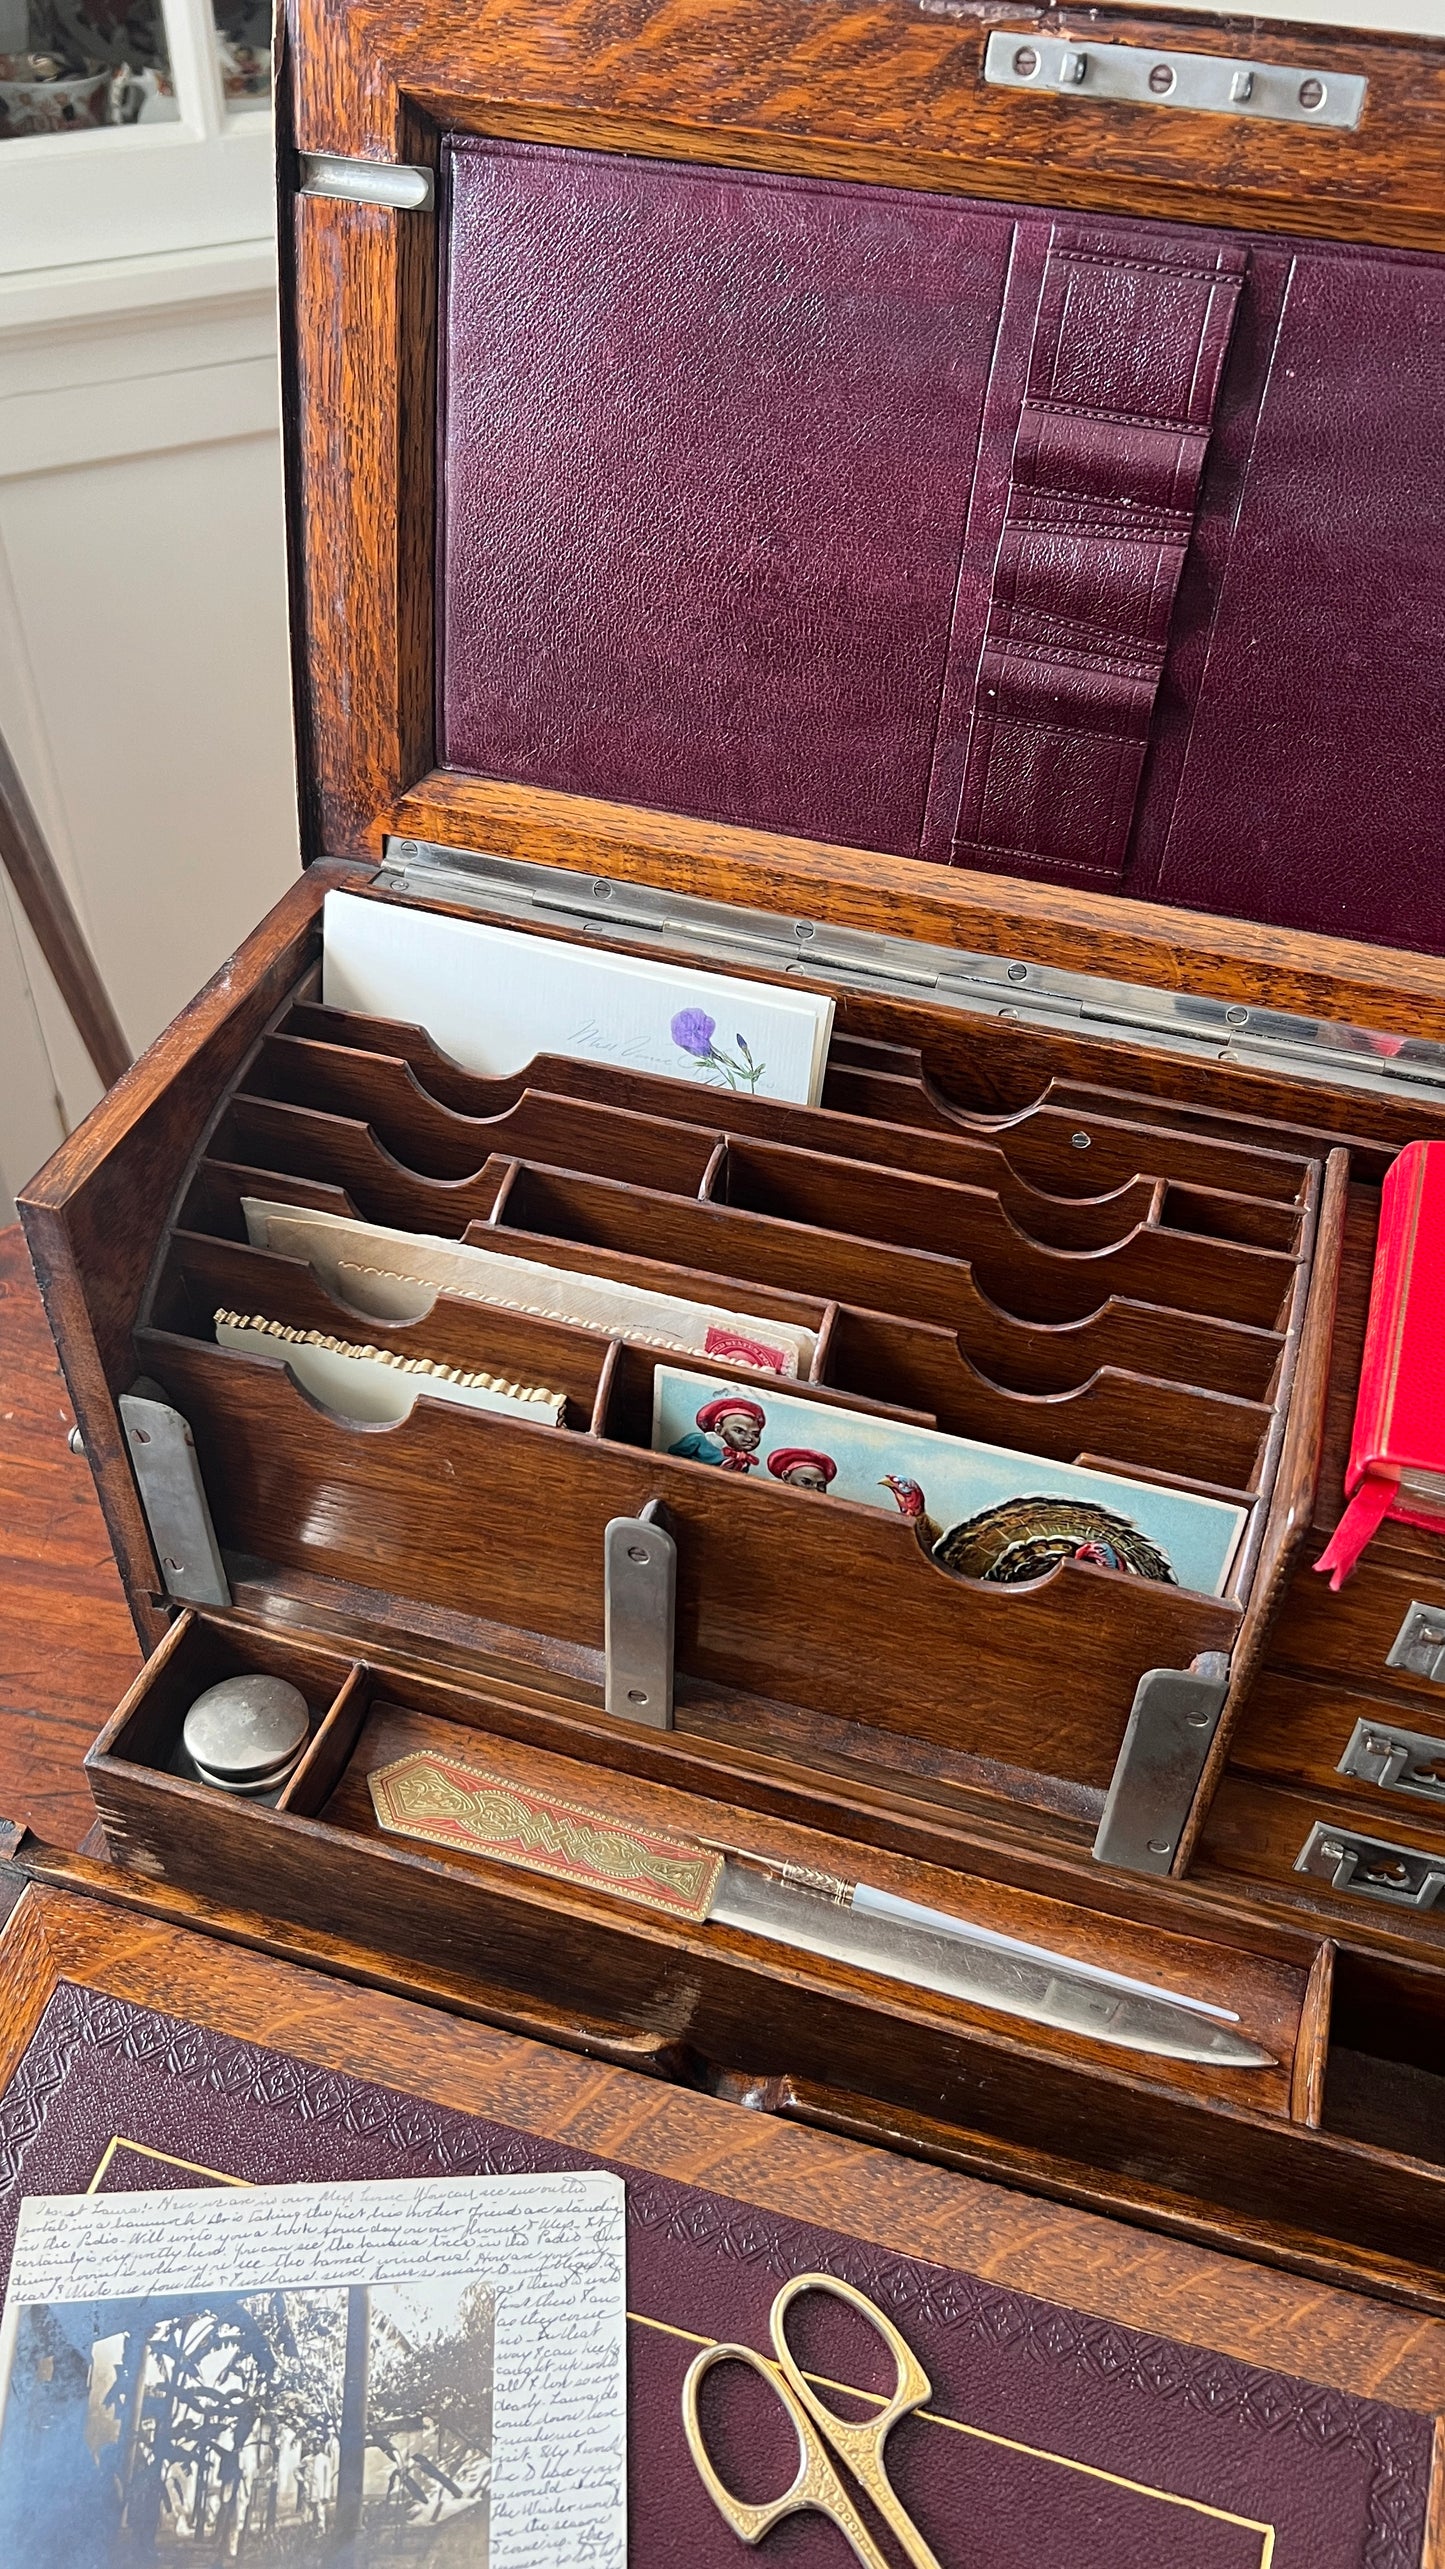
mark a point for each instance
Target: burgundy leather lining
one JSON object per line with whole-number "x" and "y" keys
{"x": 1123, "y": 375}
{"x": 877, "y": 516}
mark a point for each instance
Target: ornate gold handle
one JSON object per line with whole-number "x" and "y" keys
{"x": 815, "y": 2484}
{"x": 861, "y": 2446}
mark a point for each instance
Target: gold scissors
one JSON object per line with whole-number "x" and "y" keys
{"x": 816, "y": 2485}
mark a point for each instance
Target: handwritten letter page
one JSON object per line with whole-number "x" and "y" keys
{"x": 552, "y": 2248}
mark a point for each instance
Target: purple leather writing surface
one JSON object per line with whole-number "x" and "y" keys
{"x": 1108, "y": 553}
{"x": 708, "y": 440}
{"x": 1067, "y": 2441}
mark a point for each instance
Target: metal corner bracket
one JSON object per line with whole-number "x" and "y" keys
{"x": 639, "y": 1588}
{"x": 172, "y": 1493}
{"x": 1170, "y": 1730}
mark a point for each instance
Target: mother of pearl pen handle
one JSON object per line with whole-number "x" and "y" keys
{"x": 870, "y": 1902}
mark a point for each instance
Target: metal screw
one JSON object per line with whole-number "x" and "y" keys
{"x": 635, "y": 1552}
{"x": 1312, "y": 93}
{"x": 1160, "y": 1846}
{"x": 140, "y": 1436}
{"x": 1018, "y": 972}
{"x": 803, "y": 929}
{"x": 1026, "y": 62}
{"x": 601, "y": 891}
{"x": 636, "y": 1695}
{"x": 1161, "y": 79}
{"x": 1197, "y": 1721}
{"x": 1236, "y": 1016}
{"x": 76, "y": 1441}
{"x": 1078, "y": 1141}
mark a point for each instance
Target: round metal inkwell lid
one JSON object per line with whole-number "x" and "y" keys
{"x": 246, "y": 1729}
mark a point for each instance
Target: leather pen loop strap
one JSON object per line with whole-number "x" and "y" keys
{"x": 815, "y": 2484}
{"x": 1123, "y": 378}
{"x": 860, "y": 2445}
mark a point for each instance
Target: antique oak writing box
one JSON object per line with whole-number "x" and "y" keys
{"x": 939, "y": 506}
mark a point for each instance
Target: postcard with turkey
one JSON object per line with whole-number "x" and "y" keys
{"x": 978, "y": 1511}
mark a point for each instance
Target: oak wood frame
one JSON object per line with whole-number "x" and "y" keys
{"x": 1138, "y": 2279}
{"x": 890, "y": 92}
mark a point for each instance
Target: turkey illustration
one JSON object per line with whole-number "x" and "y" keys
{"x": 1023, "y": 1538}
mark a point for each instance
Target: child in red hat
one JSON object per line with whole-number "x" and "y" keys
{"x": 729, "y": 1431}
{"x": 801, "y": 1468}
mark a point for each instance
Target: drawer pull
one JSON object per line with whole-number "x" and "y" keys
{"x": 1419, "y": 1645}
{"x": 1398, "y": 1761}
{"x": 1371, "y": 1868}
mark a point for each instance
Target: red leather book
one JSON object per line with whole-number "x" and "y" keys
{"x": 1397, "y": 1452}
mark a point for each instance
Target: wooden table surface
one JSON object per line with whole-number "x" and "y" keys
{"x": 68, "y": 1649}
{"x": 67, "y": 1653}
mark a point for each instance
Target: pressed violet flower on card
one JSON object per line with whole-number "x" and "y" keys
{"x": 695, "y": 1031}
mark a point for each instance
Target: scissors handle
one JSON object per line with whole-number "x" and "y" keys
{"x": 815, "y": 2484}
{"x": 860, "y": 2445}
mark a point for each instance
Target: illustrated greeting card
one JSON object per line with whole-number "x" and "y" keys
{"x": 494, "y": 999}
{"x": 978, "y": 1511}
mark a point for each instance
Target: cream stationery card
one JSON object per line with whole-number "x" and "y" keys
{"x": 493, "y": 999}
{"x": 395, "y": 1276}
{"x": 431, "y": 2369}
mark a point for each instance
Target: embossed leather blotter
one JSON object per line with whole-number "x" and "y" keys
{"x": 452, "y": 1804}
{"x": 1049, "y": 2437}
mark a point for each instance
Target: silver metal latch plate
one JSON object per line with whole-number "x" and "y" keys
{"x": 1399, "y": 1761}
{"x": 1419, "y": 1645}
{"x": 168, "y": 1476}
{"x": 1212, "y": 84}
{"x": 1372, "y": 1868}
{"x": 640, "y": 1602}
{"x": 405, "y": 188}
{"x": 1156, "y": 1774}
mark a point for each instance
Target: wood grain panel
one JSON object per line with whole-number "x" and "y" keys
{"x": 1013, "y": 2239}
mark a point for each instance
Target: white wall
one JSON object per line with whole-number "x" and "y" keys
{"x": 143, "y": 671}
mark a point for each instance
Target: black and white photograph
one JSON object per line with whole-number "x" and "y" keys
{"x": 327, "y": 2428}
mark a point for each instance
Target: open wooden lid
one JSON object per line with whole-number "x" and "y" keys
{"x": 732, "y": 478}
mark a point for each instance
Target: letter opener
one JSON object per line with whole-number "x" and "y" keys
{"x": 877, "y": 1931}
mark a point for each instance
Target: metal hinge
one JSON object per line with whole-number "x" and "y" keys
{"x": 718, "y": 933}
{"x": 399, "y": 184}
{"x": 1141, "y": 76}
{"x": 1156, "y": 1775}
{"x": 1398, "y": 1761}
{"x": 1372, "y": 1868}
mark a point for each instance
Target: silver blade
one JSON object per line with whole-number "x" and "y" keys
{"x": 1044, "y": 1993}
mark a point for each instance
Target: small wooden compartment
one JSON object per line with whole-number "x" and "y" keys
{"x": 967, "y": 655}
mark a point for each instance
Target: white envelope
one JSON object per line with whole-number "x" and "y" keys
{"x": 396, "y": 1276}
{"x": 493, "y": 998}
